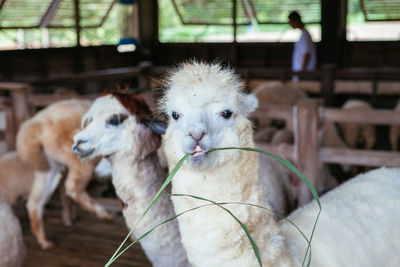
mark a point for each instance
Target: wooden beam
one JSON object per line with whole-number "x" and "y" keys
{"x": 272, "y": 111}
{"x": 11, "y": 86}
{"x": 43, "y": 100}
{"x": 2, "y": 3}
{"x": 89, "y": 75}
{"x": 107, "y": 13}
{"x": 380, "y": 117}
{"x": 77, "y": 23}
{"x": 49, "y": 14}
{"x": 359, "y": 157}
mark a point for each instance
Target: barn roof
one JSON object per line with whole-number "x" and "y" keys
{"x": 28, "y": 14}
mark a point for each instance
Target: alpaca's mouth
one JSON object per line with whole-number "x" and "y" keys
{"x": 198, "y": 156}
{"x": 82, "y": 153}
{"x": 198, "y": 151}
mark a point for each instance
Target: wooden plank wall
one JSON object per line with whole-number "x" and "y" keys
{"x": 21, "y": 65}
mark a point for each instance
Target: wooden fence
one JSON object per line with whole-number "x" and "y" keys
{"x": 307, "y": 153}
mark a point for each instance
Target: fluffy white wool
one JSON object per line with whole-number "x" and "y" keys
{"x": 196, "y": 100}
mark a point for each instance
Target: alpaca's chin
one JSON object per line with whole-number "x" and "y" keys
{"x": 205, "y": 161}
{"x": 201, "y": 162}
{"x": 87, "y": 157}
{"x": 84, "y": 154}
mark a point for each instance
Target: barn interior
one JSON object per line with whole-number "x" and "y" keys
{"x": 54, "y": 50}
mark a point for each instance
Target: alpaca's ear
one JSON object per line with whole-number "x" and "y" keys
{"x": 157, "y": 126}
{"x": 247, "y": 104}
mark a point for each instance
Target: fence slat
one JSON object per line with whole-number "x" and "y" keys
{"x": 359, "y": 157}
{"x": 271, "y": 111}
{"x": 361, "y": 116}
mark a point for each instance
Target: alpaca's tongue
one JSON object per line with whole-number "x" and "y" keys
{"x": 198, "y": 150}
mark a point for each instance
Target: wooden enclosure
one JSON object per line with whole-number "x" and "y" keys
{"x": 307, "y": 153}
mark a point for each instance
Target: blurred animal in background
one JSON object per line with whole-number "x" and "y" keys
{"x": 44, "y": 143}
{"x": 349, "y": 135}
{"x": 278, "y": 94}
{"x": 12, "y": 249}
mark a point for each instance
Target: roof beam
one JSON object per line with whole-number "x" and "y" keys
{"x": 2, "y": 3}
{"x": 48, "y": 15}
{"x": 77, "y": 23}
{"x": 107, "y": 13}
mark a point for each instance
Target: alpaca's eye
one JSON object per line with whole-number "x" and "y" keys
{"x": 175, "y": 115}
{"x": 226, "y": 114}
{"x": 116, "y": 120}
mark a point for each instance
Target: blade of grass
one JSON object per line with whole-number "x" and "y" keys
{"x": 212, "y": 203}
{"x": 286, "y": 163}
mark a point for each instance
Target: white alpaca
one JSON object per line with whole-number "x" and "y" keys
{"x": 12, "y": 249}
{"x": 44, "y": 143}
{"x": 117, "y": 128}
{"x": 279, "y": 94}
{"x": 358, "y": 135}
{"x": 207, "y": 109}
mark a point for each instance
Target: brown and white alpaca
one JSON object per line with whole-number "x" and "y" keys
{"x": 44, "y": 143}
{"x": 119, "y": 126}
{"x": 207, "y": 109}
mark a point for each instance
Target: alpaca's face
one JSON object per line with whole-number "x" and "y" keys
{"x": 205, "y": 112}
{"x": 109, "y": 128}
{"x": 104, "y": 125}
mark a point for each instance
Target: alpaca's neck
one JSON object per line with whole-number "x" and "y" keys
{"x": 136, "y": 183}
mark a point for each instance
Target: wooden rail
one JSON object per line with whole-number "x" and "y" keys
{"x": 308, "y": 154}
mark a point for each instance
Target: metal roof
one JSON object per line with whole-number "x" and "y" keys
{"x": 27, "y": 14}
{"x": 220, "y": 12}
{"x": 381, "y": 10}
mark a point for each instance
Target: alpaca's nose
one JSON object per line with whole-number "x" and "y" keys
{"x": 76, "y": 148}
{"x": 197, "y": 135}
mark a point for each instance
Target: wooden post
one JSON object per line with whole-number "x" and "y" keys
{"x": 77, "y": 18}
{"x": 306, "y": 145}
{"x": 328, "y": 84}
{"x": 19, "y": 101}
{"x": 144, "y": 81}
{"x": 9, "y": 134}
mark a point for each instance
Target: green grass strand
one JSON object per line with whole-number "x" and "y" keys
{"x": 286, "y": 163}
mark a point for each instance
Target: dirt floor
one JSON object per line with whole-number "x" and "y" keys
{"x": 88, "y": 242}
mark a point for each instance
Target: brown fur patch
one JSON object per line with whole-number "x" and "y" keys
{"x": 122, "y": 204}
{"x": 133, "y": 103}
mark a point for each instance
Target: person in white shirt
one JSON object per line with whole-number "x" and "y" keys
{"x": 304, "y": 52}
